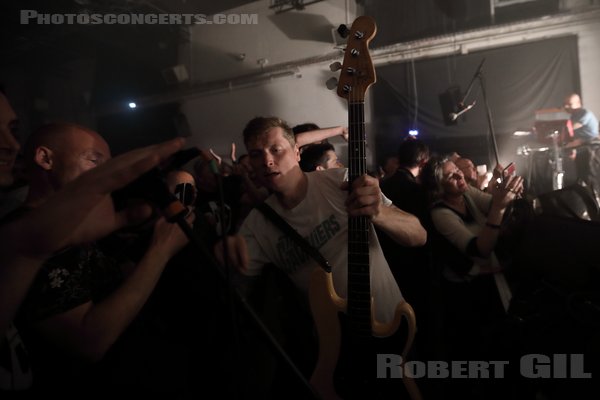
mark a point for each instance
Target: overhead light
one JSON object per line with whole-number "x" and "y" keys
{"x": 132, "y": 105}
{"x": 413, "y": 132}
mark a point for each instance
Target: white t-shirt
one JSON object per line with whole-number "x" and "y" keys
{"x": 320, "y": 217}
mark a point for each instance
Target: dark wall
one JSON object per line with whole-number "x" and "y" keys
{"x": 518, "y": 79}
{"x": 139, "y": 127}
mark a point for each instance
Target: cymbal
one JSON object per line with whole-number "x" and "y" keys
{"x": 526, "y": 150}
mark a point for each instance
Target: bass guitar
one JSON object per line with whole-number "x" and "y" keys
{"x": 349, "y": 337}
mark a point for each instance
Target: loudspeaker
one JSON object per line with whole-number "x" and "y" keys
{"x": 176, "y": 74}
{"x": 449, "y": 101}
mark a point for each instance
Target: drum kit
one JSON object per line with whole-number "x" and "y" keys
{"x": 552, "y": 131}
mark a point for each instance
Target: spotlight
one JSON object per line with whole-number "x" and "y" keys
{"x": 413, "y": 132}
{"x": 132, "y": 105}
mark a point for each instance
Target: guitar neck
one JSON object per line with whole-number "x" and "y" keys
{"x": 359, "y": 283}
{"x": 357, "y": 141}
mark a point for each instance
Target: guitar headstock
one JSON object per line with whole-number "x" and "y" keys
{"x": 357, "y": 72}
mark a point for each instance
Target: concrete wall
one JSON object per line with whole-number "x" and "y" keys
{"x": 217, "y": 116}
{"x": 298, "y": 47}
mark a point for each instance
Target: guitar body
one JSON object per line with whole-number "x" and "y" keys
{"x": 346, "y": 369}
{"x": 349, "y": 337}
{"x": 325, "y": 305}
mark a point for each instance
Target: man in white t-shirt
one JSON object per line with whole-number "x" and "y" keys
{"x": 317, "y": 205}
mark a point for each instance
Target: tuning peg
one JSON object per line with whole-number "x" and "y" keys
{"x": 343, "y": 31}
{"x": 331, "y": 83}
{"x": 336, "y": 66}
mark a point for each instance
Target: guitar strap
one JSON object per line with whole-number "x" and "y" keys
{"x": 286, "y": 228}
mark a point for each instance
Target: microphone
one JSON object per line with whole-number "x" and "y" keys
{"x": 454, "y": 116}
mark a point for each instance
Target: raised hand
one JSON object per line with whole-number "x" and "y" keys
{"x": 169, "y": 237}
{"x": 232, "y": 154}
{"x": 83, "y": 210}
{"x": 345, "y": 133}
{"x": 506, "y": 191}
{"x": 216, "y": 156}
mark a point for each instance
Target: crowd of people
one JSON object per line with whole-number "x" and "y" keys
{"x": 101, "y": 295}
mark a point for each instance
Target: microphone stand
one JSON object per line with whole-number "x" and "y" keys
{"x": 226, "y": 264}
{"x": 151, "y": 186}
{"x": 479, "y": 76}
{"x": 470, "y": 87}
{"x": 276, "y": 347}
{"x": 488, "y": 112}
{"x": 199, "y": 244}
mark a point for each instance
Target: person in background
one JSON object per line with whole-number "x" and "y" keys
{"x": 467, "y": 223}
{"x": 389, "y": 167}
{"x": 319, "y": 157}
{"x": 310, "y": 133}
{"x": 81, "y": 211}
{"x": 470, "y": 173}
{"x": 453, "y": 156}
{"x": 403, "y": 186}
{"x": 412, "y": 266}
{"x": 585, "y": 123}
{"x": 81, "y": 303}
{"x": 585, "y": 145}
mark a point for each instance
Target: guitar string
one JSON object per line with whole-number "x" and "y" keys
{"x": 358, "y": 165}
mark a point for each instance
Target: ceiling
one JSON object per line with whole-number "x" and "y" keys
{"x": 131, "y": 59}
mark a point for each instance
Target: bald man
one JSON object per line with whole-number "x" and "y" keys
{"x": 58, "y": 153}
{"x": 79, "y": 212}
{"x": 585, "y": 123}
{"x": 585, "y": 132}
{"x": 80, "y": 303}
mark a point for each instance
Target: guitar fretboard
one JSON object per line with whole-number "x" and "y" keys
{"x": 359, "y": 282}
